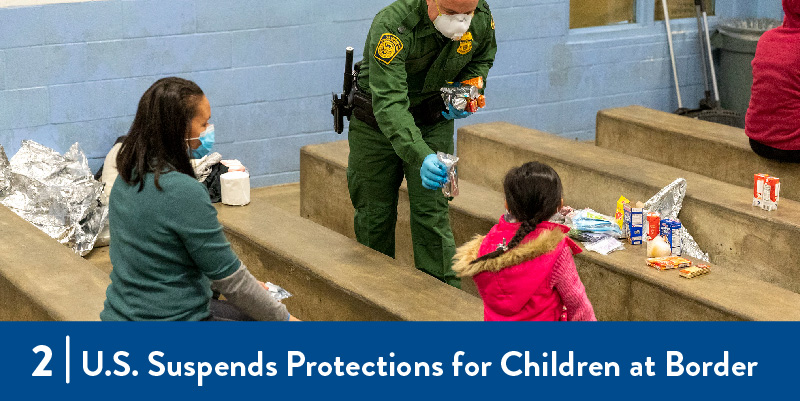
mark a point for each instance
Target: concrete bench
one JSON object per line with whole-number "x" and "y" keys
{"x": 714, "y": 150}
{"x": 41, "y": 279}
{"x": 620, "y": 286}
{"x": 719, "y": 215}
{"x": 332, "y": 277}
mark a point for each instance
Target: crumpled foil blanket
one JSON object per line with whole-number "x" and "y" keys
{"x": 56, "y": 193}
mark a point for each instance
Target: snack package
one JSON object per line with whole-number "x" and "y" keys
{"x": 591, "y": 221}
{"x": 668, "y": 262}
{"x": 694, "y": 271}
{"x": 450, "y": 189}
{"x": 620, "y": 214}
{"x": 464, "y": 96}
{"x": 277, "y": 291}
{"x": 604, "y": 246}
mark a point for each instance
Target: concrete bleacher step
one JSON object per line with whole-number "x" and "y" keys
{"x": 332, "y": 277}
{"x": 719, "y": 215}
{"x": 325, "y": 200}
{"x": 620, "y": 286}
{"x": 284, "y": 196}
{"x": 41, "y": 279}
{"x": 714, "y": 150}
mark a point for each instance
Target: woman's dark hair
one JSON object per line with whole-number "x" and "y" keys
{"x": 156, "y": 141}
{"x": 533, "y": 193}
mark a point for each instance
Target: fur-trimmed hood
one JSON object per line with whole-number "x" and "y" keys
{"x": 547, "y": 241}
{"x": 791, "y": 11}
{"x": 517, "y": 284}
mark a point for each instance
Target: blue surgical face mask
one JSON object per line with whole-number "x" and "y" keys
{"x": 206, "y": 143}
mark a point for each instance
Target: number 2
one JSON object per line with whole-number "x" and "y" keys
{"x": 40, "y": 370}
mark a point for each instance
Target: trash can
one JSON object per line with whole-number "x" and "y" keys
{"x": 736, "y": 39}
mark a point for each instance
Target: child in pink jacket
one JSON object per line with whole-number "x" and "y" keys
{"x": 523, "y": 267}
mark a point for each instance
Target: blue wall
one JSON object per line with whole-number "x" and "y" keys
{"x": 74, "y": 72}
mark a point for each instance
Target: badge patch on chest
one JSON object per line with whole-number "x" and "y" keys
{"x": 465, "y": 45}
{"x": 388, "y": 47}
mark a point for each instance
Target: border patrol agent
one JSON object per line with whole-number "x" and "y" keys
{"x": 399, "y": 122}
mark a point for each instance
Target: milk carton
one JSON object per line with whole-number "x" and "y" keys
{"x": 634, "y": 223}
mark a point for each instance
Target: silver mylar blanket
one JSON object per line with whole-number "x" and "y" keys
{"x": 55, "y": 193}
{"x": 667, "y": 203}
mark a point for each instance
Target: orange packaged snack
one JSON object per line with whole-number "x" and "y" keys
{"x": 668, "y": 262}
{"x": 694, "y": 271}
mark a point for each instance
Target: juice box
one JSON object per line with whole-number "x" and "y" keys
{"x": 652, "y": 226}
{"x": 758, "y": 189}
{"x": 771, "y": 194}
{"x": 634, "y": 224}
{"x": 669, "y": 230}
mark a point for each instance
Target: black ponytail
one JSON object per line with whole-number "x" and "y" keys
{"x": 533, "y": 192}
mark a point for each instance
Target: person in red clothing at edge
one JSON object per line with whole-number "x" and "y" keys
{"x": 523, "y": 267}
{"x": 773, "y": 118}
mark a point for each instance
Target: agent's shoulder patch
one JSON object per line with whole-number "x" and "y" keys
{"x": 388, "y": 47}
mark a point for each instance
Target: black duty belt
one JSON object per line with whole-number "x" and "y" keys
{"x": 428, "y": 112}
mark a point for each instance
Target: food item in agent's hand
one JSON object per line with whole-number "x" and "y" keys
{"x": 668, "y": 262}
{"x": 464, "y": 96}
{"x": 694, "y": 271}
{"x": 476, "y": 82}
{"x": 450, "y": 188}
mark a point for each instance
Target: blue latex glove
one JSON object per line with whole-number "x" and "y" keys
{"x": 454, "y": 113}
{"x": 433, "y": 172}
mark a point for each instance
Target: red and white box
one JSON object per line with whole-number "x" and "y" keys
{"x": 758, "y": 189}
{"x": 771, "y": 194}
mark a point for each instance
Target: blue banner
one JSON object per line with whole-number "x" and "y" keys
{"x": 397, "y": 360}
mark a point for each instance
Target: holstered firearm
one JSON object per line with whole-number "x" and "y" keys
{"x": 342, "y": 106}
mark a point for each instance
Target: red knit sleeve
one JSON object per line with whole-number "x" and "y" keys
{"x": 566, "y": 281}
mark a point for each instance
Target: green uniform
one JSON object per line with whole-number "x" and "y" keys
{"x": 407, "y": 61}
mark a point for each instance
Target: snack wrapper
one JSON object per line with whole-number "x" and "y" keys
{"x": 449, "y": 189}
{"x": 668, "y": 262}
{"x": 694, "y": 271}
{"x": 605, "y": 245}
{"x": 620, "y": 214}
{"x": 463, "y": 96}
{"x": 277, "y": 291}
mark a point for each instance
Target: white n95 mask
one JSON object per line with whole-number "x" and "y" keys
{"x": 452, "y": 26}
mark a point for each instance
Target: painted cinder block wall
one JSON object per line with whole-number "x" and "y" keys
{"x": 75, "y": 72}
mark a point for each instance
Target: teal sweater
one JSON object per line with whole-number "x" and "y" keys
{"x": 166, "y": 246}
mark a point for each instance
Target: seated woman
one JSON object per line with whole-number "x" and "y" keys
{"x": 773, "y": 118}
{"x": 167, "y": 246}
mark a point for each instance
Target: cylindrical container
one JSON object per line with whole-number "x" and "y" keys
{"x": 235, "y": 187}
